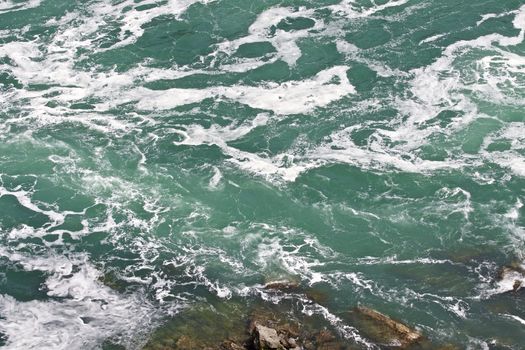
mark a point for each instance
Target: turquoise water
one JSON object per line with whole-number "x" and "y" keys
{"x": 188, "y": 151}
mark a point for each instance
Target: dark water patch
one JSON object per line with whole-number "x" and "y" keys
{"x": 475, "y": 134}
{"x": 278, "y": 71}
{"x": 16, "y": 214}
{"x": 230, "y": 19}
{"x": 150, "y": 6}
{"x": 188, "y": 41}
{"x": 374, "y": 34}
{"x": 316, "y": 56}
{"x": 8, "y": 81}
{"x": 37, "y": 15}
{"x": 257, "y": 49}
{"x": 362, "y": 77}
{"x": 295, "y": 23}
{"x": 82, "y": 106}
{"x": 194, "y": 81}
{"x": 20, "y": 284}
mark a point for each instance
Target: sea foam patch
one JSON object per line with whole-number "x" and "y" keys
{"x": 286, "y": 98}
{"x": 82, "y": 311}
{"x": 350, "y": 9}
{"x": 10, "y": 5}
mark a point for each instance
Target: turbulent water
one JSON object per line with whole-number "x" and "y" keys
{"x": 159, "y": 154}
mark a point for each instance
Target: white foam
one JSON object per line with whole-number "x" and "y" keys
{"x": 359, "y": 281}
{"x": 345, "y": 330}
{"x": 126, "y": 14}
{"x": 220, "y": 136}
{"x": 513, "y": 159}
{"x": 10, "y": 5}
{"x": 83, "y": 313}
{"x": 78, "y": 290}
{"x": 515, "y": 164}
{"x": 348, "y": 8}
{"x": 54, "y": 64}
{"x": 286, "y": 98}
{"x": 516, "y": 318}
{"x": 477, "y": 344}
{"x": 294, "y": 259}
{"x": 507, "y": 278}
{"x": 456, "y": 200}
{"x": 286, "y": 42}
{"x": 342, "y": 149}
{"x": 514, "y": 213}
{"x": 488, "y": 16}
{"x": 215, "y": 179}
{"x": 431, "y": 91}
{"x": 392, "y": 260}
{"x": 354, "y": 53}
{"x": 432, "y": 38}
{"x": 506, "y": 284}
{"x": 404, "y": 296}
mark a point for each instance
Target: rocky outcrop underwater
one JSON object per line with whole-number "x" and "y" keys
{"x": 236, "y": 325}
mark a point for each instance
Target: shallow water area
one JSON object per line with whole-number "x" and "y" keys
{"x": 162, "y": 162}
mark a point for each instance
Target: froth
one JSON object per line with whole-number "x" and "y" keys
{"x": 286, "y": 98}
{"x": 10, "y": 6}
{"x": 82, "y": 312}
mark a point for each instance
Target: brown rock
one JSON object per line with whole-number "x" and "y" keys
{"x": 324, "y": 336}
{"x": 283, "y": 285}
{"x": 383, "y": 329}
{"x": 516, "y": 285}
{"x": 291, "y": 343}
{"x": 266, "y": 338}
{"x": 317, "y": 296}
{"x": 309, "y": 345}
{"x": 290, "y": 330}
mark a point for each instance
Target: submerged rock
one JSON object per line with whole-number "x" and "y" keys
{"x": 291, "y": 285}
{"x": 111, "y": 280}
{"x": 282, "y": 282}
{"x": 230, "y": 325}
{"x": 317, "y": 296}
{"x": 282, "y": 285}
{"x": 384, "y": 330}
{"x": 325, "y": 340}
{"x": 188, "y": 343}
{"x": 231, "y": 345}
{"x": 218, "y": 325}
